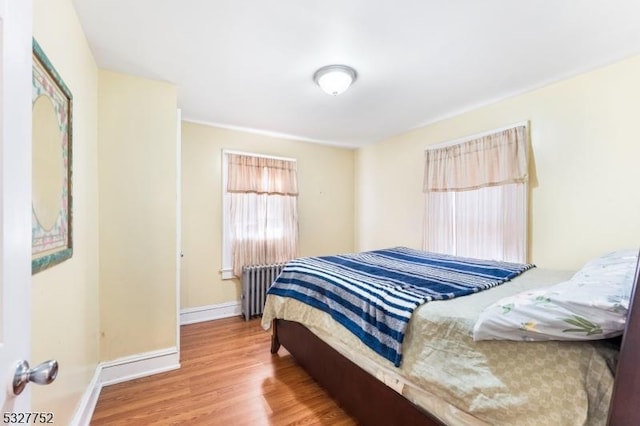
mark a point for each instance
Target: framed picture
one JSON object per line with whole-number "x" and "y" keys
{"x": 51, "y": 213}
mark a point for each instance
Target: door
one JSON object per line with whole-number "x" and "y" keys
{"x": 15, "y": 196}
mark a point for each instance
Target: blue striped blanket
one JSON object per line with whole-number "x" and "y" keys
{"x": 373, "y": 294}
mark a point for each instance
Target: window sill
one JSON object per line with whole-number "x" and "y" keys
{"x": 227, "y": 274}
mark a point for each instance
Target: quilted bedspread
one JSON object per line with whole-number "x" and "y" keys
{"x": 478, "y": 383}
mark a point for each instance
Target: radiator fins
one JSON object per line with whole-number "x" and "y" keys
{"x": 256, "y": 280}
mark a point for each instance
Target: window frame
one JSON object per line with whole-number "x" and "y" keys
{"x": 527, "y": 187}
{"x": 227, "y": 258}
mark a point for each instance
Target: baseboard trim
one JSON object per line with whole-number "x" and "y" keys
{"x": 89, "y": 399}
{"x": 140, "y": 365}
{"x": 145, "y": 364}
{"x": 210, "y": 312}
{"x": 121, "y": 370}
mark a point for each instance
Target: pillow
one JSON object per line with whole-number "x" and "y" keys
{"x": 591, "y": 305}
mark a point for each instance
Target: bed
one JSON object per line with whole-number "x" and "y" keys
{"x": 445, "y": 377}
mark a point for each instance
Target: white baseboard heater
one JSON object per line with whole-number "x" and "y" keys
{"x": 256, "y": 280}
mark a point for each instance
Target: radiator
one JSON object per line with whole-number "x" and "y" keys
{"x": 256, "y": 280}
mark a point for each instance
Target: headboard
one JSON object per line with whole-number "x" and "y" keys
{"x": 625, "y": 400}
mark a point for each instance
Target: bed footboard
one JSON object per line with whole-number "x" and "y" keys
{"x": 366, "y": 398}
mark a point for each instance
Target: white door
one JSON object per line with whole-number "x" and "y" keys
{"x": 15, "y": 196}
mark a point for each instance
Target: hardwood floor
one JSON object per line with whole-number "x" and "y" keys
{"x": 228, "y": 377}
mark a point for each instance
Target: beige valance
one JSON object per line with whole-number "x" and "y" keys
{"x": 496, "y": 159}
{"x": 261, "y": 175}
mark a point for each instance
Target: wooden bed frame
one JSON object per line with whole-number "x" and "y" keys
{"x": 373, "y": 403}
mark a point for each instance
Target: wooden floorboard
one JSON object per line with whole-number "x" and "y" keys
{"x": 228, "y": 377}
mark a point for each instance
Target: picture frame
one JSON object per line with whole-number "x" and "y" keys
{"x": 52, "y": 200}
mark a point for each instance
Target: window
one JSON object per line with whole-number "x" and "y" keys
{"x": 476, "y": 197}
{"x": 260, "y": 213}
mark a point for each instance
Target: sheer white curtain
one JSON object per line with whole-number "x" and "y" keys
{"x": 475, "y": 197}
{"x": 264, "y": 212}
{"x": 440, "y": 222}
{"x": 490, "y": 223}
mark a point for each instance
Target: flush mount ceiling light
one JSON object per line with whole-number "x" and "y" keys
{"x": 335, "y": 79}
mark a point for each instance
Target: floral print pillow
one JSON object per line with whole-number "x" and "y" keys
{"x": 591, "y": 305}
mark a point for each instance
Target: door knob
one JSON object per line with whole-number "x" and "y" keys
{"x": 42, "y": 374}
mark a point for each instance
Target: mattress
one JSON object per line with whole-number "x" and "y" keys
{"x": 463, "y": 382}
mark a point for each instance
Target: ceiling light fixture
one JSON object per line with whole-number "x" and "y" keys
{"x": 335, "y": 79}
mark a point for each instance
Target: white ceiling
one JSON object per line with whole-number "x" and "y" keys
{"x": 248, "y": 64}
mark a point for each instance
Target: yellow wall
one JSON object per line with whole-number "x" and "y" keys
{"x": 325, "y": 204}
{"x": 584, "y": 135}
{"x": 137, "y": 195}
{"x": 65, "y": 297}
